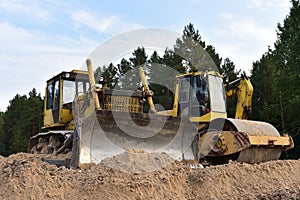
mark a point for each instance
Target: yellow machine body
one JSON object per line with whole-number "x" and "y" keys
{"x": 221, "y": 138}
{"x": 93, "y": 122}
{"x": 59, "y": 94}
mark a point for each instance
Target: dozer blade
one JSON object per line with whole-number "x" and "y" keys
{"x": 108, "y": 133}
{"x": 244, "y": 141}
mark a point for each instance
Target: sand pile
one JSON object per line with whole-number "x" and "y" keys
{"x": 22, "y": 176}
{"x": 138, "y": 161}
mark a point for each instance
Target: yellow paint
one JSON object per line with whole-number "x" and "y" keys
{"x": 146, "y": 87}
{"x": 270, "y": 140}
{"x": 93, "y": 83}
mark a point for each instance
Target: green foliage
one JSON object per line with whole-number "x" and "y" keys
{"x": 228, "y": 70}
{"x": 229, "y": 73}
{"x": 125, "y": 74}
{"x": 21, "y": 120}
{"x": 194, "y": 52}
{"x": 124, "y": 67}
{"x": 109, "y": 73}
{"x": 162, "y": 72}
{"x": 190, "y": 53}
{"x": 139, "y": 57}
{"x": 173, "y": 60}
{"x": 276, "y": 80}
{"x": 197, "y": 55}
{"x": 287, "y": 61}
{"x": 2, "y": 136}
{"x": 265, "y": 96}
{"x": 275, "y": 77}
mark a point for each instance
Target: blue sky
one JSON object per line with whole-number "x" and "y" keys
{"x": 41, "y": 38}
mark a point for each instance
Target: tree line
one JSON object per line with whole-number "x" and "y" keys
{"x": 190, "y": 53}
{"x": 275, "y": 77}
{"x": 21, "y": 120}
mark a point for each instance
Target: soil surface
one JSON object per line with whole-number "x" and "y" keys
{"x": 23, "y": 176}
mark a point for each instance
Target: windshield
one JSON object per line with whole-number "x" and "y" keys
{"x": 200, "y": 101}
{"x": 56, "y": 96}
{"x": 72, "y": 88}
{"x": 184, "y": 90}
{"x": 217, "y": 94}
{"x": 68, "y": 91}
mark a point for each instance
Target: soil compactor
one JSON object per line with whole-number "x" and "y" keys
{"x": 101, "y": 122}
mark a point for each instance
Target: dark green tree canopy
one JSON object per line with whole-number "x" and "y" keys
{"x": 276, "y": 79}
{"x": 139, "y": 57}
{"x": 194, "y": 53}
{"x": 21, "y": 120}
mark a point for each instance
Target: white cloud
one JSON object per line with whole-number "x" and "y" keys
{"x": 28, "y": 58}
{"x": 226, "y": 16}
{"x": 268, "y": 4}
{"x": 13, "y": 6}
{"x": 246, "y": 29}
{"x": 255, "y": 3}
{"x": 83, "y": 18}
{"x": 110, "y": 24}
{"x": 30, "y": 8}
{"x": 243, "y": 40}
{"x": 123, "y": 44}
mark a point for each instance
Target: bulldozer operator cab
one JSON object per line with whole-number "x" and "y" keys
{"x": 201, "y": 96}
{"x": 59, "y": 96}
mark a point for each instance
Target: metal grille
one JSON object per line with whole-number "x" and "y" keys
{"x": 123, "y": 103}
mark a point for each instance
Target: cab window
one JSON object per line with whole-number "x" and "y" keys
{"x": 56, "y": 96}
{"x": 184, "y": 90}
{"x": 217, "y": 93}
{"x": 49, "y": 96}
{"x": 68, "y": 91}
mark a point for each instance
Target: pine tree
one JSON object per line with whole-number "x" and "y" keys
{"x": 229, "y": 73}
{"x": 228, "y": 70}
{"x": 13, "y": 124}
{"x": 287, "y": 61}
{"x": 139, "y": 57}
{"x": 161, "y": 80}
{"x": 276, "y": 77}
{"x": 22, "y": 119}
{"x": 33, "y": 114}
{"x": 109, "y": 73}
{"x": 2, "y": 136}
{"x": 194, "y": 52}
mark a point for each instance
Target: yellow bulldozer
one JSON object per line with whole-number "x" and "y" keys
{"x": 86, "y": 122}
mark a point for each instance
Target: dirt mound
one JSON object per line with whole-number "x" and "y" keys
{"x": 137, "y": 161}
{"x": 25, "y": 176}
{"x": 270, "y": 180}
